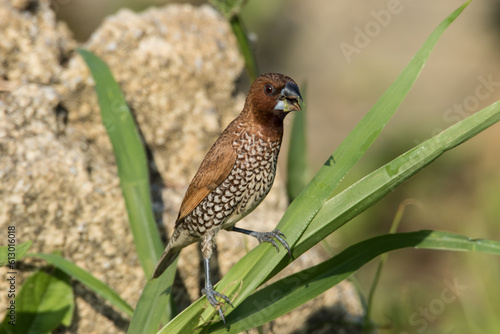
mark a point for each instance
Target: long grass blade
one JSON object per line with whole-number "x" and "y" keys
{"x": 9, "y": 255}
{"x": 155, "y": 307}
{"x": 130, "y": 160}
{"x": 134, "y": 180}
{"x": 297, "y": 166}
{"x": 294, "y": 290}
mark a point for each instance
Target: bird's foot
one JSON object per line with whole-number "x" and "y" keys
{"x": 270, "y": 236}
{"x": 211, "y": 297}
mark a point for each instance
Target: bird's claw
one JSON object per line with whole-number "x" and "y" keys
{"x": 270, "y": 236}
{"x": 211, "y": 295}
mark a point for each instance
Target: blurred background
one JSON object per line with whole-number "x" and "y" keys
{"x": 348, "y": 53}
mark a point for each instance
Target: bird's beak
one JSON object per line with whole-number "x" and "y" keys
{"x": 289, "y": 98}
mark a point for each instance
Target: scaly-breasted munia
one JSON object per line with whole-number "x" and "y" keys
{"x": 236, "y": 175}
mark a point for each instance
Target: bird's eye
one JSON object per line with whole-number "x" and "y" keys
{"x": 269, "y": 89}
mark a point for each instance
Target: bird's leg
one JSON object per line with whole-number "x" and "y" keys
{"x": 266, "y": 237}
{"x": 212, "y": 294}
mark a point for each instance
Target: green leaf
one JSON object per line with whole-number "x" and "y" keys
{"x": 131, "y": 162}
{"x": 367, "y": 323}
{"x": 263, "y": 262}
{"x": 43, "y": 303}
{"x": 13, "y": 252}
{"x": 297, "y": 167}
{"x": 86, "y": 279}
{"x": 155, "y": 307}
{"x": 68, "y": 317}
{"x": 290, "y": 292}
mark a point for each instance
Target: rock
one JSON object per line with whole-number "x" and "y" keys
{"x": 177, "y": 66}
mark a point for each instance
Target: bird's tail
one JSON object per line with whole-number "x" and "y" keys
{"x": 178, "y": 241}
{"x": 168, "y": 256}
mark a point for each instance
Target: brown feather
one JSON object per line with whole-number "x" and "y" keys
{"x": 213, "y": 170}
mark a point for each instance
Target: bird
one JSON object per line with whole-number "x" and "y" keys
{"x": 235, "y": 176}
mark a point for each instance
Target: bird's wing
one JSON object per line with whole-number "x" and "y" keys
{"x": 213, "y": 170}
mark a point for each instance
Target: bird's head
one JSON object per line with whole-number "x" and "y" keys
{"x": 272, "y": 95}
